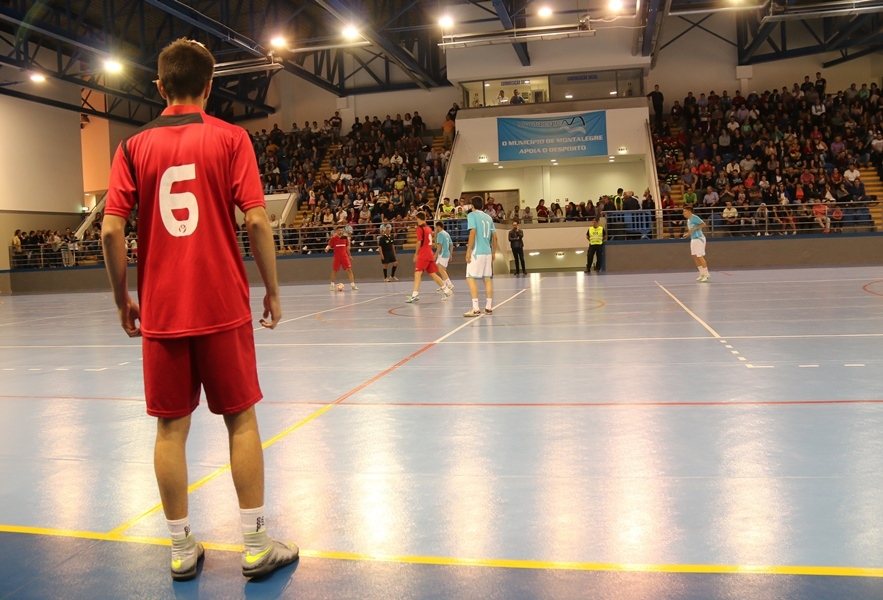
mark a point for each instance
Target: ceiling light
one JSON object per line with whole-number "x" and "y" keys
{"x": 612, "y": 93}
{"x": 568, "y": 96}
{"x": 611, "y": 157}
{"x": 350, "y": 33}
{"x": 38, "y": 78}
{"x": 278, "y": 42}
{"x": 615, "y": 5}
{"x": 495, "y": 164}
{"x": 487, "y": 85}
{"x": 533, "y": 253}
{"x": 446, "y": 22}
{"x": 527, "y": 81}
{"x": 545, "y": 12}
{"x": 112, "y": 66}
{"x": 500, "y": 167}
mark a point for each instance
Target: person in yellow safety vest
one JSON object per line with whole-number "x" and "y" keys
{"x": 595, "y": 235}
{"x": 617, "y": 200}
{"x": 447, "y": 209}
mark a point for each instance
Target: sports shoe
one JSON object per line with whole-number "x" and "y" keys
{"x": 386, "y": 280}
{"x": 332, "y": 288}
{"x": 186, "y": 554}
{"x": 700, "y": 277}
{"x": 275, "y": 556}
{"x": 441, "y": 289}
{"x": 411, "y": 299}
{"x": 704, "y": 279}
{"x": 354, "y": 286}
{"x": 450, "y": 287}
{"x": 394, "y": 278}
{"x": 488, "y": 311}
{"x": 446, "y": 294}
{"x": 472, "y": 313}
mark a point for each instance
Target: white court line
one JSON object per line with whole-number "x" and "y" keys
{"x": 689, "y": 312}
{"x": 122, "y": 364}
{"x": 742, "y": 358}
{"x": 759, "y": 366}
{"x": 734, "y": 352}
{"x": 808, "y": 366}
{"x": 35, "y": 369}
{"x": 728, "y": 346}
{"x": 474, "y": 319}
{"x": 96, "y": 370}
{"x": 328, "y": 310}
{"x": 79, "y": 314}
{"x": 854, "y": 365}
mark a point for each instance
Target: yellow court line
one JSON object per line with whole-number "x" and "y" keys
{"x": 695, "y": 569}
{"x": 197, "y": 484}
{"x": 201, "y": 482}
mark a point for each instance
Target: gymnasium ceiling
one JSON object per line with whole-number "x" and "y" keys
{"x": 396, "y": 46}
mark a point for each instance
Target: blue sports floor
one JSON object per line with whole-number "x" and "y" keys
{"x": 598, "y": 436}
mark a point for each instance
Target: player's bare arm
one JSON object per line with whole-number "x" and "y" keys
{"x": 260, "y": 235}
{"x": 494, "y": 246}
{"x": 113, "y": 239}
{"x": 469, "y": 245}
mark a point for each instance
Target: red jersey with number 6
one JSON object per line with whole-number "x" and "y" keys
{"x": 186, "y": 172}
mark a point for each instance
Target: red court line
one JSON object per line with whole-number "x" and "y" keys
{"x": 725, "y": 273}
{"x": 867, "y": 285}
{"x": 609, "y": 404}
{"x": 342, "y": 399}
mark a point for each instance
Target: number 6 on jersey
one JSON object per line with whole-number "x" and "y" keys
{"x": 171, "y": 201}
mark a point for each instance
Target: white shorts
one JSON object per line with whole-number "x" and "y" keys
{"x": 697, "y": 247}
{"x": 442, "y": 262}
{"x": 480, "y": 266}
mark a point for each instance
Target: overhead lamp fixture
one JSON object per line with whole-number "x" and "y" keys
{"x": 249, "y": 65}
{"x": 545, "y": 12}
{"x": 533, "y": 253}
{"x": 568, "y": 96}
{"x": 615, "y": 5}
{"x": 38, "y": 78}
{"x": 278, "y": 42}
{"x": 446, "y": 22}
{"x": 613, "y": 93}
{"x": 112, "y": 66}
{"x": 500, "y": 167}
{"x": 487, "y": 85}
{"x": 350, "y": 33}
{"x": 514, "y": 36}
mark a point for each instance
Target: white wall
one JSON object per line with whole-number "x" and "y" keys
{"x": 299, "y": 101}
{"x": 95, "y": 143}
{"x": 41, "y": 167}
{"x": 610, "y": 48}
{"x": 700, "y": 62}
{"x": 565, "y": 183}
{"x": 478, "y": 137}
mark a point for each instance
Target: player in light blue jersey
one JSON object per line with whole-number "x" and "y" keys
{"x": 697, "y": 242}
{"x": 443, "y": 254}
{"x": 481, "y": 250}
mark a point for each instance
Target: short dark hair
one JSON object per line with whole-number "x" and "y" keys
{"x": 688, "y": 207}
{"x": 477, "y": 202}
{"x": 421, "y": 216}
{"x": 439, "y": 224}
{"x": 185, "y": 69}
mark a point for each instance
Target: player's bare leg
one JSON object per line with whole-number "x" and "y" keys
{"x": 415, "y": 295}
{"x": 349, "y": 272}
{"x": 489, "y": 293}
{"x": 246, "y": 458}
{"x": 170, "y": 465}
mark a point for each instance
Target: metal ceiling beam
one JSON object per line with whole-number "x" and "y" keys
{"x": 853, "y": 56}
{"x": 519, "y": 47}
{"x": 762, "y": 34}
{"x": 394, "y": 51}
{"x": 843, "y": 34}
{"x": 652, "y": 17}
{"x": 5, "y": 91}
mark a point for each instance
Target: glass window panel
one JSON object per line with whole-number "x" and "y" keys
{"x": 473, "y": 94}
{"x": 583, "y": 86}
{"x": 630, "y": 83}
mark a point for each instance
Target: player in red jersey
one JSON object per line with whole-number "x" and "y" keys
{"x": 424, "y": 260}
{"x": 187, "y": 172}
{"x": 340, "y": 243}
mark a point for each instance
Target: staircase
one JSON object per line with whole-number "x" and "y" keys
{"x": 874, "y": 187}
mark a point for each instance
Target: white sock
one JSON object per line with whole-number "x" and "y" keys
{"x": 415, "y": 293}
{"x": 179, "y": 529}
{"x": 704, "y": 270}
{"x": 475, "y": 304}
{"x": 448, "y": 283}
{"x": 490, "y": 304}
{"x": 254, "y": 530}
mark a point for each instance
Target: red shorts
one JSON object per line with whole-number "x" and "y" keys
{"x": 341, "y": 263}
{"x": 224, "y": 364}
{"x": 422, "y": 263}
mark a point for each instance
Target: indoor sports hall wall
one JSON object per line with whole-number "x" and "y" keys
{"x": 700, "y": 62}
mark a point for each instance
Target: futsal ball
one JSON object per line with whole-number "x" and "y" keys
{"x": 339, "y": 287}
